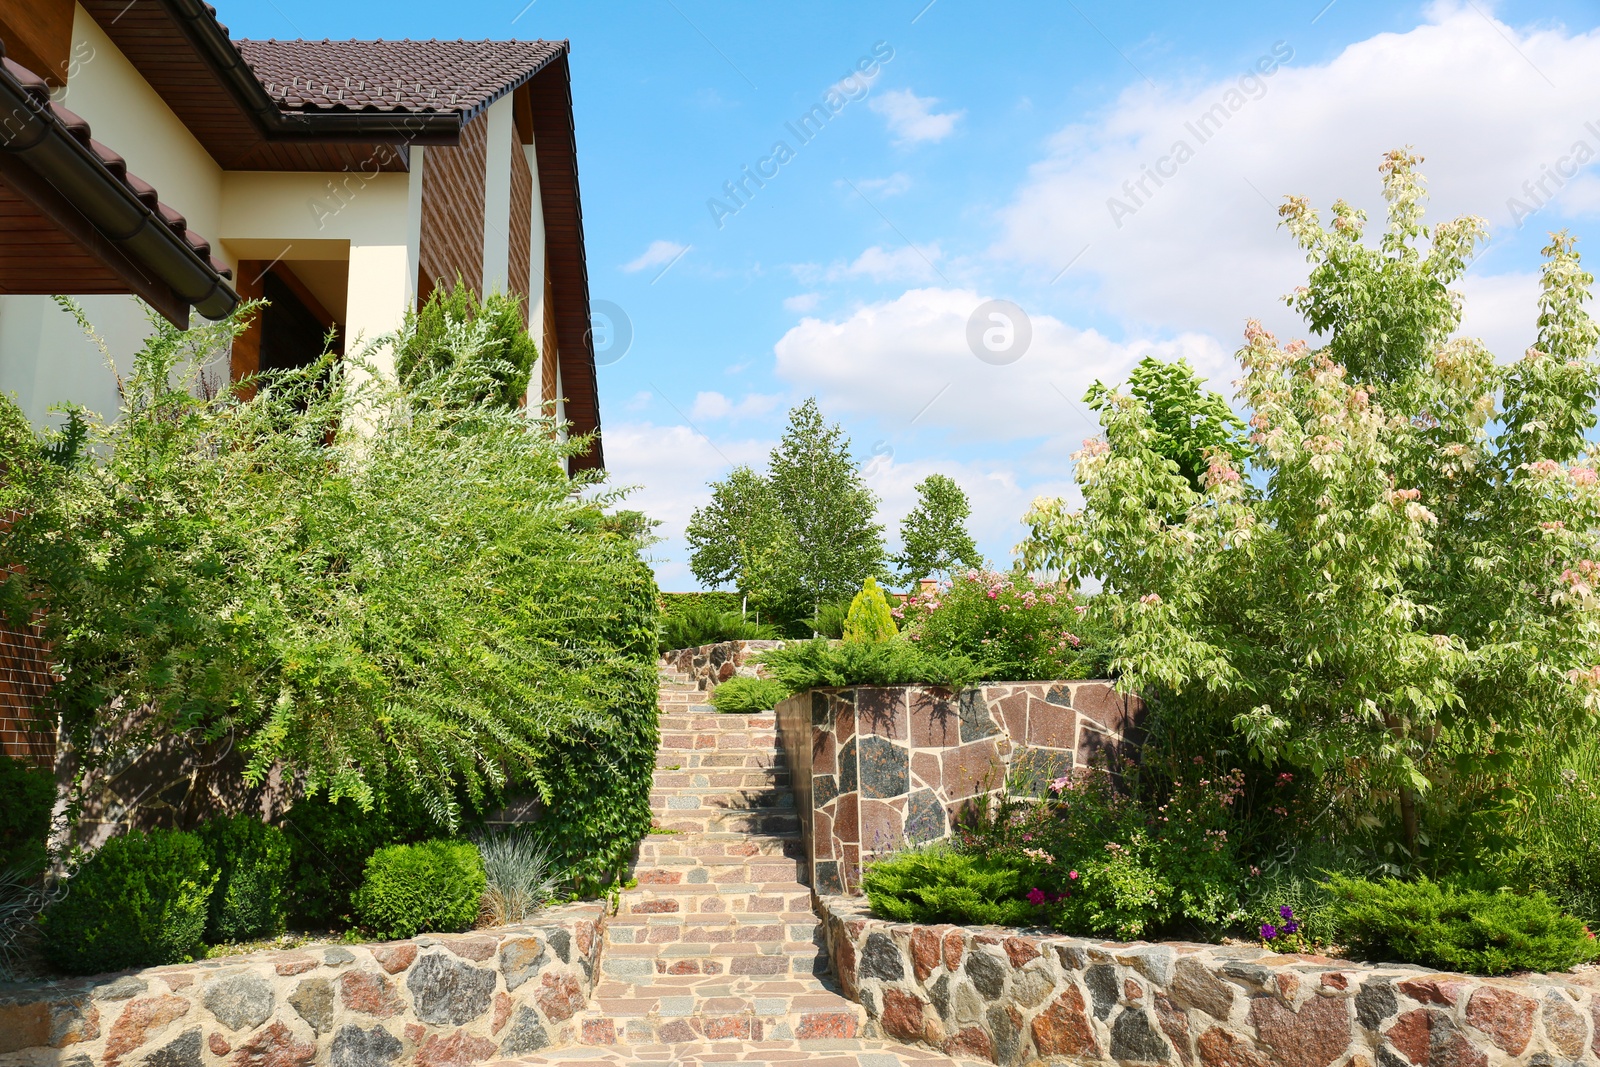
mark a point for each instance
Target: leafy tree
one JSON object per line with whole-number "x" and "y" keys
{"x": 1187, "y": 422}
{"x": 817, "y": 488}
{"x": 934, "y": 538}
{"x": 801, "y": 535}
{"x": 1394, "y": 598}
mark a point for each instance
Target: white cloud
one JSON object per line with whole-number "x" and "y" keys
{"x": 658, "y": 254}
{"x": 802, "y": 302}
{"x": 911, "y": 118}
{"x": 897, "y": 265}
{"x": 907, "y": 362}
{"x": 640, "y": 400}
{"x": 893, "y": 185}
{"x": 1202, "y": 250}
{"x": 713, "y": 405}
{"x": 671, "y": 466}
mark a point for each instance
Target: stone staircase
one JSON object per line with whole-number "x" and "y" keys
{"x": 715, "y": 954}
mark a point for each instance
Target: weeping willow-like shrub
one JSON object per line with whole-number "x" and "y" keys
{"x": 356, "y": 580}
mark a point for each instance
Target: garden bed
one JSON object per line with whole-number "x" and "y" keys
{"x": 878, "y": 767}
{"x": 1012, "y": 997}
{"x": 447, "y": 998}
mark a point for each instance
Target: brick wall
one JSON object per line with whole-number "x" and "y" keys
{"x": 24, "y": 680}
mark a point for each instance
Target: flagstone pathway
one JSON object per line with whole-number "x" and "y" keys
{"x": 715, "y": 955}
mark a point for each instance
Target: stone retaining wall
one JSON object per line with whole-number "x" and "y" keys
{"x": 1011, "y": 997}
{"x": 710, "y": 665}
{"x": 876, "y": 767}
{"x": 434, "y": 1001}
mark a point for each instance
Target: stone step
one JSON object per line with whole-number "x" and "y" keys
{"x": 702, "y": 798}
{"x": 706, "y": 759}
{"x": 776, "y": 960}
{"x": 722, "y": 898}
{"x": 747, "y": 820}
{"x": 695, "y": 717}
{"x": 733, "y": 778}
{"x": 679, "y": 848}
{"x": 719, "y": 870}
{"x": 737, "y": 740}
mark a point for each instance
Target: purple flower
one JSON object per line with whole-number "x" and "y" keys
{"x": 1268, "y": 931}
{"x": 1286, "y": 911}
{"x": 1291, "y": 927}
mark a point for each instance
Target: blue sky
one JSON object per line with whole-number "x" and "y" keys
{"x": 1000, "y": 152}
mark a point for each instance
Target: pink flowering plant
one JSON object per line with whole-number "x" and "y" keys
{"x": 1394, "y": 591}
{"x": 1015, "y": 627}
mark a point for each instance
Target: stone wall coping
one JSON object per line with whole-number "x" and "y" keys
{"x": 1015, "y": 996}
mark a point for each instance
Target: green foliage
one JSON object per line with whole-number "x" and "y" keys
{"x": 330, "y": 842}
{"x": 941, "y": 885}
{"x": 868, "y": 621}
{"x": 816, "y": 664}
{"x": 1016, "y": 629}
{"x": 748, "y": 694}
{"x": 251, "y": 860}
{"x": 1187, "y": 422}
{"x": 435, "y": 886}
{"x": 828, "y": 621}
{"x": 30, "y": 794}
{"x": 425, "y": 599}
{"x": 699, "y": 623}
{"x": 933, "y": 536}
{"x": 140, "y": 901}
{"x": 800, "y": 535}
{"x": 1457, "y": 929}
{"x": 1388, "y": 599}
{"x": 1554, "y": 829}
{"x": 439, "y": 340}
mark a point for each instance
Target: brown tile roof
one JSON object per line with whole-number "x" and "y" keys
{"x": 404, "y": 76}
{"x": 78, "y": 128}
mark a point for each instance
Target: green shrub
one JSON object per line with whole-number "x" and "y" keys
{"x": 939, "y": 884}
{"x": 816, "y": 664}
{"x": 828, "y": 621}
{"x": 436, "y": 886}
{"x": 140, "y": 901}
{"x": 330, "y": 842}
{"x": 431, "y": 603}
{"x": 1456, "y": 929}
{"x": 701, "y": 622}
{"x": 1016, "y": 629}
{"x": 252, "y": 864}
{"x": 30, "y": 794}
{"x": 868, "y": 621}
{"x": 431, "y": 342}
{"x": 748, "y": 694}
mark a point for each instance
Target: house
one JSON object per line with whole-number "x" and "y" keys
{"x": 145, "y": 152}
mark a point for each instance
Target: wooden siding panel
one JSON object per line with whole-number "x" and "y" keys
{"x": 521, "y": 226}
{"x": 452, "y": 212}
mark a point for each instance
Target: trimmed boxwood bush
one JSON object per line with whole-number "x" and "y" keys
{"x": 1456, "y": 929}
{"x": 252, "y": 864}
{"x": 30, "y": 792}
{"x": 940, "y": 885}
{"x": 140, "y": 901}
{"x": 435, "y": 885}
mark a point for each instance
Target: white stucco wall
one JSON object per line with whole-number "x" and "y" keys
{"x": 497, "y": 196}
